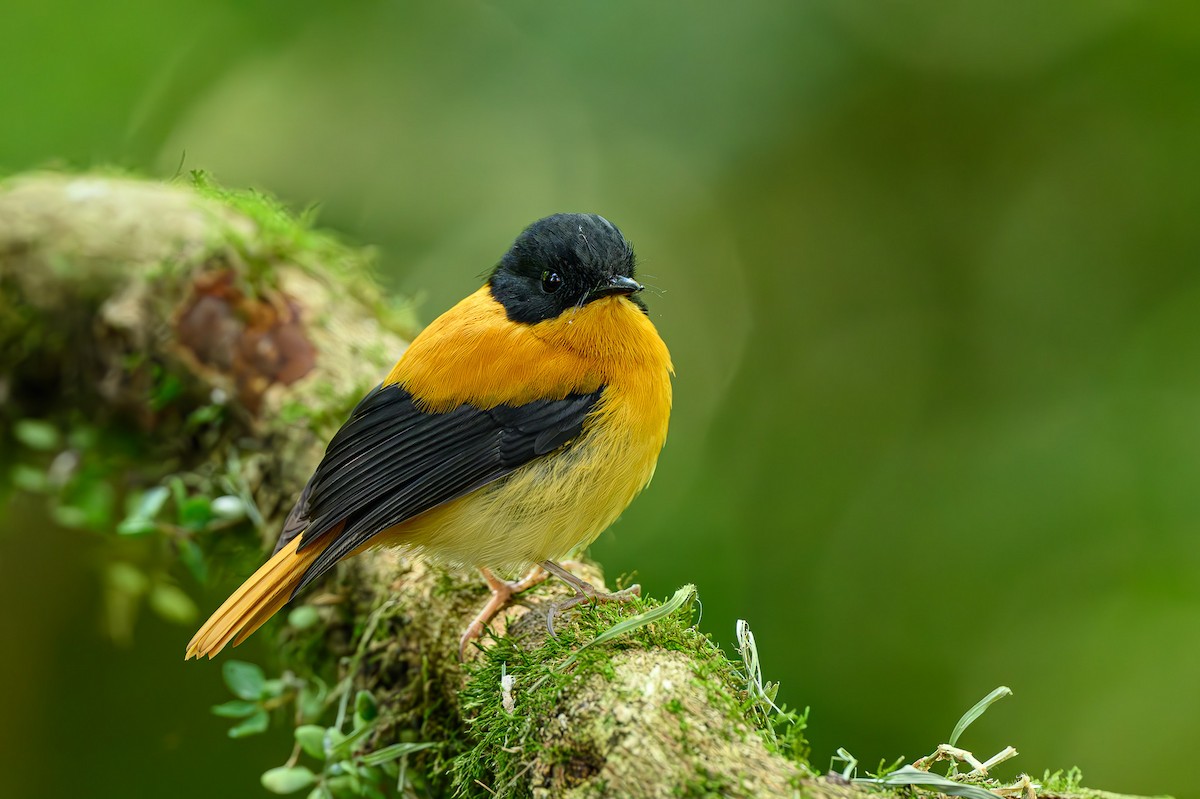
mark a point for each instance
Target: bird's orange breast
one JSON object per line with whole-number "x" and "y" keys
{"x": 559, "y": 503}
{"x": 474, "y": 354}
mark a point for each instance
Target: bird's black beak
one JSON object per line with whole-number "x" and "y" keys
{"x": 616, "y": 285}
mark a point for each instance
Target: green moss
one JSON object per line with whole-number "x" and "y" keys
{"x": 1070, "y": 781}
{"x": 19, "y": 331}
{"x": 281, "y": 237}
{"x": 706, "y": 785}
{"x": 503, "y": 747}
{"x": 333, "y": 408}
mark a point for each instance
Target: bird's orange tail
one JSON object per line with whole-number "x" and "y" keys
{"x": 258, "y": 599}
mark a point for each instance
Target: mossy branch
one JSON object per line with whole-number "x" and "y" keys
{"x": 144, "y": 306}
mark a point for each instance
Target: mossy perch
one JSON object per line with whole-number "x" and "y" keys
{"x": 108, "y": 284}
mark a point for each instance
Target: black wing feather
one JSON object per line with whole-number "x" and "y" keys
{"x": 391, "y": 461}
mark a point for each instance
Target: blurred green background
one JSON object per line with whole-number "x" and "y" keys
{"x": 929, "y": 275}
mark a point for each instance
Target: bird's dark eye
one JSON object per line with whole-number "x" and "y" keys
{"x": 551, "y": 281}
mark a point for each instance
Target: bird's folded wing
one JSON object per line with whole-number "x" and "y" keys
{"x": 391, "y": 461}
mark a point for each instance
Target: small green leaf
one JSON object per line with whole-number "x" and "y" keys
{"x": 910, "y": 776}
{"x": 365, "y": 709}
{"x": 136, "y": 526}
{"x": 288, "y": 779}
{"x": 978, "y": 710}
{"x": 311, "y": 738}
{"x": 254, "y": 725}
{"x": 393, "y": 752}
{"x": 336, "y": 737}
{"x": 203, "y": 415}
{"x": 166, "y": 391}
{"x": 30, "y": 479}
{"x": 172, "y": 604}
{"x": 303, "y": 617}
{"x": 343, "y": 787}
{"x": 195, "y": 513}
{"x": 320, "y": 793}
{"x": 37, "y": 434}
{"x": 149, "y": 503}
{"x": 246, "y": 680}
{"x": 346, "y": 767}
{"x": 235, "y": 709}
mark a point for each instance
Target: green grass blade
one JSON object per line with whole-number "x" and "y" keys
{"x": 394, "y": 752}
{"x": 982, "y": 705}
{"x": 910, "y": 776}
{"x": 343, "y": 748}
{"x": 845, "y": 757}
{"x": 682, "y": 597}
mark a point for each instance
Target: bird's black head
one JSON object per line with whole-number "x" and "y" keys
{"x": 563, "y": 261}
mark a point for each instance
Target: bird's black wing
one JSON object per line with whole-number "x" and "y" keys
{"x": 391, "y": 461}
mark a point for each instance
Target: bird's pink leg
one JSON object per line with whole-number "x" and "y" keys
{"x": 502, "y": 594}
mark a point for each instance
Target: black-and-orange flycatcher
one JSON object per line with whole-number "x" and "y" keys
{"x": 512, "y": 431}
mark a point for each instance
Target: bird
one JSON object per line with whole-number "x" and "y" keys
{"x": 512, "y": 431}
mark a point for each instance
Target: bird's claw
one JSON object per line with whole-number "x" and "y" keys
{"x": 586, "y": 592}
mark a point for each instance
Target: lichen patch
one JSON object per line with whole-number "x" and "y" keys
{"x": 254, "y": 341}
{"x": 650, "y": 713}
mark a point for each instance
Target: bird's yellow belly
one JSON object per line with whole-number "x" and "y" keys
{"x": 547, "y": 509}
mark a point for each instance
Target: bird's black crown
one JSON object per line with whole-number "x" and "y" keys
{"x": 562, "y": 261}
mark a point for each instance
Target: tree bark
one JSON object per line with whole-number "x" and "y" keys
{"x": 109, "y": 283}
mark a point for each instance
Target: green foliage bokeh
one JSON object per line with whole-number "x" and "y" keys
{"x": 928, "y": 273}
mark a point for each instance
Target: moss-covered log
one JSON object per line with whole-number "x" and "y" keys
{"x": 226, "y": 332}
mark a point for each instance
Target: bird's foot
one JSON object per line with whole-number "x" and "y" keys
{"x": 503, "y": 592}
{"x": 584, "y": 592}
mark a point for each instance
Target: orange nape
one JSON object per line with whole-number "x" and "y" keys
{"x": 258, "y": 599}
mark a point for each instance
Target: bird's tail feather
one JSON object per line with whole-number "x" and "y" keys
{"x": 257, "y": 600}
